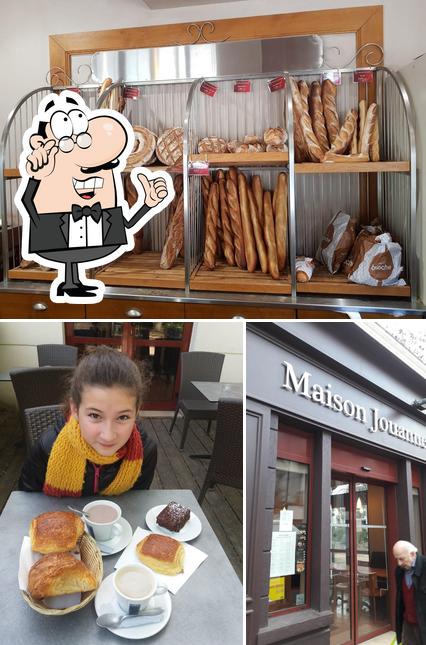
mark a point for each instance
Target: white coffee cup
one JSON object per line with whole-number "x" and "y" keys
{"x": 103, "y": 519}
{"x": 134, "y": 586}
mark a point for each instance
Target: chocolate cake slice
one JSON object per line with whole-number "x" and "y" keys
{"x": 173, "y": 516}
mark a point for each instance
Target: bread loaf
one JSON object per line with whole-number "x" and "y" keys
{"x": 249, "y": 244}
{"x": 275, "y": 136}
{"x": 269, "y": 232}
{"x": 162, "y": 554}
{"x": 328, "y": 96}
{"x": 210, "y": 245}
{"x": 281, "y": 148}
{"x": 333, "y": 156}
{"x": 212, "y": 144}
{"x": 374, "y": 145}
{"x": 300, "y": 145}
{"x": 235, "y": 219}
{"x": 250, "y": 138}
{"x": 362, "y": 115}
{"x": 174, "y": 236}
{"x": 232, "y": 174}
{"x": 280, "y": 213}
{"x": 258, "y": 232}
{"x": 301, "y": 110}
{"x": 59, "y": 573}
{"x": 143, "y": 152}
{"x": 304, "y": 269}
{"x": 55, "y": 532}
{"x": 228, "y": 242}
{"x": 169, "y": 147}
{"x": 367, "y": 134}
{"x": 343, "y": 140}
{"x": 354, "y": 142}
{"x": 256, "y": 184}
{"x": 206, "y": 180}
{"x": 317, "y": 115}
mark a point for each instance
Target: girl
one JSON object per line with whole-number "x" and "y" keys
{"x": 102, "y": 448}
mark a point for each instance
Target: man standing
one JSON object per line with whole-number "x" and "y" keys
{"x": 410, "y": 594}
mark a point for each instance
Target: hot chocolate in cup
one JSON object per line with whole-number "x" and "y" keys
{"x": 102, "y": 519}
{"x": 134, "y": 586}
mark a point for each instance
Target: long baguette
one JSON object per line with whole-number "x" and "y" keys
{"x": 314, "y": 149}
{"x": 328, "y": 96}
{"x": 258, "y": 232}
{"x": 210, "y": 245}
{"x": 367, "y": 134}
{"x": 281, "y": 220}
{"x": 362, "y": 114}
{"x": 343, "y": 140}
{"x": 249, "y": 245}
{"x": 317, "y": 115}
{"x": 233, "y": 174}
{"x": 235, "y": 220}
{"x": 256, "y": 184}
{"x": 228, "y": 243}
{"x": 206, "y": 181}
{"x": 174, "y": 237}
{"x": 269, "y": 231}
{"x": 374, "y": 145}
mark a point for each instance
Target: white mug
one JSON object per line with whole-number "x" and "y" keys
{"x": 134, "y": 586}
{"x": 103, "y": 525}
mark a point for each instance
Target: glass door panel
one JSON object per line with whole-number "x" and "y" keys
{"x": 371, "y": 559}
{"x": 340, "y": 569}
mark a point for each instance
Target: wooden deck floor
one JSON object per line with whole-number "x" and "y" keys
{"x": 222, "y": 505}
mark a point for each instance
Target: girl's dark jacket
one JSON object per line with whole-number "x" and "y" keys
{"x": 419, "y": 583}
{"x": 96, "y": 478}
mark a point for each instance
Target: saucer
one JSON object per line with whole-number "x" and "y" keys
{"x": 105, "y": 602}
{"x": 117, "y": 542}
{"x": 189, "y": 532}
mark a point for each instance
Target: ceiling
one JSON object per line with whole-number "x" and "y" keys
{"x": 172, "y": 4}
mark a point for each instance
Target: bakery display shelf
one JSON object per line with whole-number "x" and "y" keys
{"x": 242, "y": 158}
{"x": 233, "y": 279}
{"x": 338, "y": 284}
{"x": 143, "y": 270}
{"x": 11, "y": 173}
{"x": 172, "y": 169}
{"x": 32, "y": 273}
{"x": 354, "y": 166}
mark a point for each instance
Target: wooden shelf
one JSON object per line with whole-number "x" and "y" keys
{"x": 233, "y": 279}
{"x": 11, "y": 173}
{"x": 242, "y": 158}
{"x": 143, "y": 271}
{"x": 354, "y": 166}
{"x": 338, "y": 284}
{"x": 33, "y": 273}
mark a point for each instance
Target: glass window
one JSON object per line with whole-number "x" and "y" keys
{"x": 289, "y": 537}
{"x": 417, "y": 520}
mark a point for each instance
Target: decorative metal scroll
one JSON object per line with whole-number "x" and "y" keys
{"x": 199, "y": 33}
{"x": 58, "y": 76}
{"x": 368, "y": 57}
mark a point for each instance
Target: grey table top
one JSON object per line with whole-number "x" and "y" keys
{"x": 207, "y": 610}
{"x": 213, "y": 391}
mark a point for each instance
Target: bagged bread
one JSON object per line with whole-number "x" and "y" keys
{"x": 367, "y": 234}
{"x": 304, "y": 268}
{"x": 337, "y": 241}
{"x": 378, "y": 262}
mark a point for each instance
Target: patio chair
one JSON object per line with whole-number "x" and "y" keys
{"x": 226, "y": 464}
{"x": 196, "y": 366}
{"x": 39, "y": 419}
{"x": 39, "y": 386}
{"x": 56, "y": 354}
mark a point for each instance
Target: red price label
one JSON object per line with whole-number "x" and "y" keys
{"x": 208, "y": 88}
{"x": 131, "y": 93}
{"x": 277, "y": 83}
{"x": 75, "y": 89}
{"x": 242, "y": 86}
{"x": 333, "y": 75}
{"x": 198, "y": 168}
{"x": 363, "y": 76}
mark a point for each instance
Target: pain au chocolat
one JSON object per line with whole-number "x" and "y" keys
{"x": 55, "y": 532}
{"x": 162, "y": 554}
{"x": 59, "y": 573}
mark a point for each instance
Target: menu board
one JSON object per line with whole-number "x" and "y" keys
{"x": 283, "y": 554}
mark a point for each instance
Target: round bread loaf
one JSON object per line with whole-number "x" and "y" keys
{"x": 170, "y": 146}
{"x": 143, "y": 152}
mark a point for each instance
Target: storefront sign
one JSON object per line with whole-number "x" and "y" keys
{"x": 323, "y": 395}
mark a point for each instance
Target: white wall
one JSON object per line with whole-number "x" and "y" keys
{"x": 224, "y": 337}
{"x": 25, "y": 26}
{"x": 18, "y": 348}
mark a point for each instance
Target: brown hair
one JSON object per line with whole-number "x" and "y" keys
{"x": 106, "y": 367}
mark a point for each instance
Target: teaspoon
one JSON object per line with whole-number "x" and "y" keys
{"x": 76, "y": 510}
{"x": 146, "y": 616}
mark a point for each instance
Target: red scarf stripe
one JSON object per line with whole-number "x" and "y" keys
{"x": 59, "y": 492}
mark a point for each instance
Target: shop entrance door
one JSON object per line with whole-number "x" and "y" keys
{"x": 359, "y": 577}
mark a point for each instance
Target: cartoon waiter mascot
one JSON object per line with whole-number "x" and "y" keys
{"x": 71, "y": 195}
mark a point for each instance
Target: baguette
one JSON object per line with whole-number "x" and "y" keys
{"x": 256, "y": 184}
{"x": 362, "y": 114}
{"x": 206, "y": 180}
{"x": 328, "y": 96}
{"x": 367, "y": 134}
{"x": 332, "y": 156}
{"x": 317, "y": 115}
{"x": 249, "y": 245}
{"x": 374, "y": 145}
{"x": 354, "y": 142}
{"x": 281, "y": 220}
{"x": 258, "y": 233}
{"x": 346, "y": 133}
{"x": 228, "y": 243}
{"x": 174, "y": 237}
{"x": 235, "y": 221}
{"x": 233, "y": 174}
{"x": 314, "y": 149}
{"x": 269, "y": 230}
{"x": 210, "y": 245}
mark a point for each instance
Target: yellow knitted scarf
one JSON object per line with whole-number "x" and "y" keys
{"x": 67, "y": 463}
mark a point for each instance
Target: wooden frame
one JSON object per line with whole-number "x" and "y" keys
{"x": 365, "y": 22}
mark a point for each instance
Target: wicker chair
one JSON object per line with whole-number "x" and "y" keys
{"x": 197, "y": 366}
{"x": 39, "y": 419}
{"x": 226, "y": 464}
{"x": 61, "y": 355}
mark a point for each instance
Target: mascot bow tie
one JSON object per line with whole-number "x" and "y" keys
{"x": 95, "y": 212}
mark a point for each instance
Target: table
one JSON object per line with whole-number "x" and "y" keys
{"x": 213, "y": 390}
{"x": 208, "y": 609}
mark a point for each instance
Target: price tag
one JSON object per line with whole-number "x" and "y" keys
{"x": 277, "y": 83}
{"x": 198, "y": 168}
{"x": 242, "y": 86}
{"x": 131, "y": 93}
{"x": 333, "y": 75}
{"x": 75, "y": 89}
{"x": 363, "y": 76}
{"x": 208, "y": 88}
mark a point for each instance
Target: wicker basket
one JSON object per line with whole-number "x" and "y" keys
{"x": 92, "y": 558}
